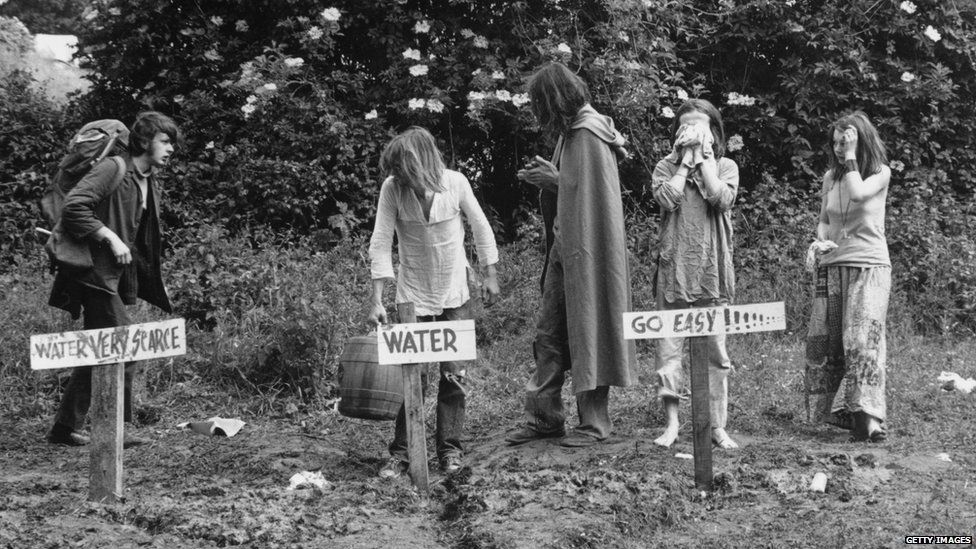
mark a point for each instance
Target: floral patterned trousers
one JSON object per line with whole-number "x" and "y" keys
{"x": 845, "y": 353}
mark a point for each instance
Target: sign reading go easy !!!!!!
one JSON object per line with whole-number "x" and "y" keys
{"x": 704, "y": 321}
{"x": 426, "y": 342}
{"x": 108, "y": 345}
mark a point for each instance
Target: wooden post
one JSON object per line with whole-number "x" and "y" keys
{"x": 700, "y": 420}
{"x": 107, "y": 392}
{"x": 413, "y": 402}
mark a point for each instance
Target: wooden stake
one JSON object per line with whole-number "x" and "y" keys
{"x": 700, "y": 404}
{"x": 413, "y": 402}
{"x": 105, "y": 474}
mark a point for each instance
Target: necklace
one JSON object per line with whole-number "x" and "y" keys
{"x": 843, "y": 210}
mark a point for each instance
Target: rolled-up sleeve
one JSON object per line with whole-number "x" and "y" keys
{"x": 381, "y": 243}
{"x": 484, "y": 238}
{"x": 728, "y": 174}
{"x": 664, "y": 193}
{"x": 78, "y": 216}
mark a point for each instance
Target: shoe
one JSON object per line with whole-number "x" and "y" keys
{"x": 451, "y": 463}
{"x": 577, "y": 439}
{"x": 130, "y": 441}
{"x": 394, "y": 468}
{"x": 68, "y": 438}
{"x": 528, "y": 434}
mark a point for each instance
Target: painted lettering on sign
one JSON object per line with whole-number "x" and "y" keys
{"x": 427, "y": 342}
{"x": 108, "y": 345}
{"x": 733, "y": 319}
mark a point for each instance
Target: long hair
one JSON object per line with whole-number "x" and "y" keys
{"x": 871, "y": 154}
{"x": 714, "y": 122}
{"x": 145, "y": 128}
{"x": 557, "y": 94}
{"x": 413, "y": 160}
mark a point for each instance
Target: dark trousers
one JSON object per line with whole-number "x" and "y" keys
{"x": 450, "y": 399}
{"x": 99, "y": 310}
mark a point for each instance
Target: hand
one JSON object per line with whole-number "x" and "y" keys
{"x": 850, "y": 143}
{"x": 377, "y": 314}
{"x": 541, "y": 173}
{"x": 489, "y": 288}
{"x": 816, "y": 249}
{"x": 688, "y": 157}
{"x": 123, "y": 256}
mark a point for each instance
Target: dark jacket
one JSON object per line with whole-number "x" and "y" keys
{"x": 89, "y": 206}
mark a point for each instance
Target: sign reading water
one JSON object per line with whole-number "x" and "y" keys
{"x": 108, "y": 345}
{"x": 732, "y": 319}
{"x": 426, "y": 342}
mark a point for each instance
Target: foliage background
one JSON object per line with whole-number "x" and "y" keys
{"x": 286, "y": 105}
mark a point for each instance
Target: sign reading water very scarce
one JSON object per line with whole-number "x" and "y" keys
{"x": 108, "y": 345}
{"x": 426, "y": 342}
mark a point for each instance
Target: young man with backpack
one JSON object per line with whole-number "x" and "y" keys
{"x": 115, "y": 217}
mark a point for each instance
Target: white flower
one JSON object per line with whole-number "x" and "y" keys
{"x": 932, "y": 34}
{"x": 421, "y": 27}
{"x": 476, "y": 96}
{"x": 241, "y": 26}
{"x": 434, "y": 105}
{"x": 735, "y": 143}
{"x": 371, "y": 115}
{"x": 623, "y": 36}
{"x": 563, "y": 47}
{"x": 666, "y": 112}
{"x": 498, "y": 75}
{"x": 467, "y": 33}
{"x": 743, "y": 100}
{"x": 294, "y": 62}
{"x": 790, "y": 3}
{"x": 411, "y": 53}
{"x": 897, "y": 165}
{"x": 908, "y": 7}
{"x": 520, "y": 99}
{"x": 418, "y": 70}
{"x": 248, "y": 109}
{"x": 315, "y": 33}
{"x": 178, "y": 99}
{"x": 480, "y": 42}
{"x": 251, "y": 99}
{"x": 503, "y": 95}
{"x": 681, "y": 94}
{"x": 907, "y": 77}
{"x": 217, "y": 20}
{"x": 209, "y": 145}
{"x": 415, "y": 104}
{"x": 331, "y": 14}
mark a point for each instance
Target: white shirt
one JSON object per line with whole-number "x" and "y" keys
{"x": 433, "y": 267}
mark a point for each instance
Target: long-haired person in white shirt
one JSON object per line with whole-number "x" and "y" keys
{"x": 422, "y": 201}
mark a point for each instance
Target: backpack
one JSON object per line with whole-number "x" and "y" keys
{"x": 89, "y": 146}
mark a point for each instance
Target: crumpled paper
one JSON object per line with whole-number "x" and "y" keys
{"x": 214, "y": 426}
{"x": 308, "y": 479}
{"x": 952, "y": 381}
{"x": 817, "y": 248}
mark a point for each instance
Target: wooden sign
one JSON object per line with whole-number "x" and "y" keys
{"x": 695, "y": 324}
{"x": 408, "y": 343}
{"x": 705, "y": 321}
{"x": 108, "y": 345}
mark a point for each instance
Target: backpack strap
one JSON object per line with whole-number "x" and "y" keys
{"x": 120, "y": 174}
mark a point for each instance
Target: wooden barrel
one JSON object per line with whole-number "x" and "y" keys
{"x": 368, "y": 390}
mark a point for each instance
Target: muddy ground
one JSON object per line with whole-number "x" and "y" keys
{"x": 188, "y": 490}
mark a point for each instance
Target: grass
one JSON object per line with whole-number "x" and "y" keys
{"x": 203, "y": 493}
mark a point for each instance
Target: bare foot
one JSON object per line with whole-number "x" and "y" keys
{"x": 723, "y": 440}
{"x": 667, "y": 439}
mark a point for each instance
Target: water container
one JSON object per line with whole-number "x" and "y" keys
{"x": 368, "y": 390}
